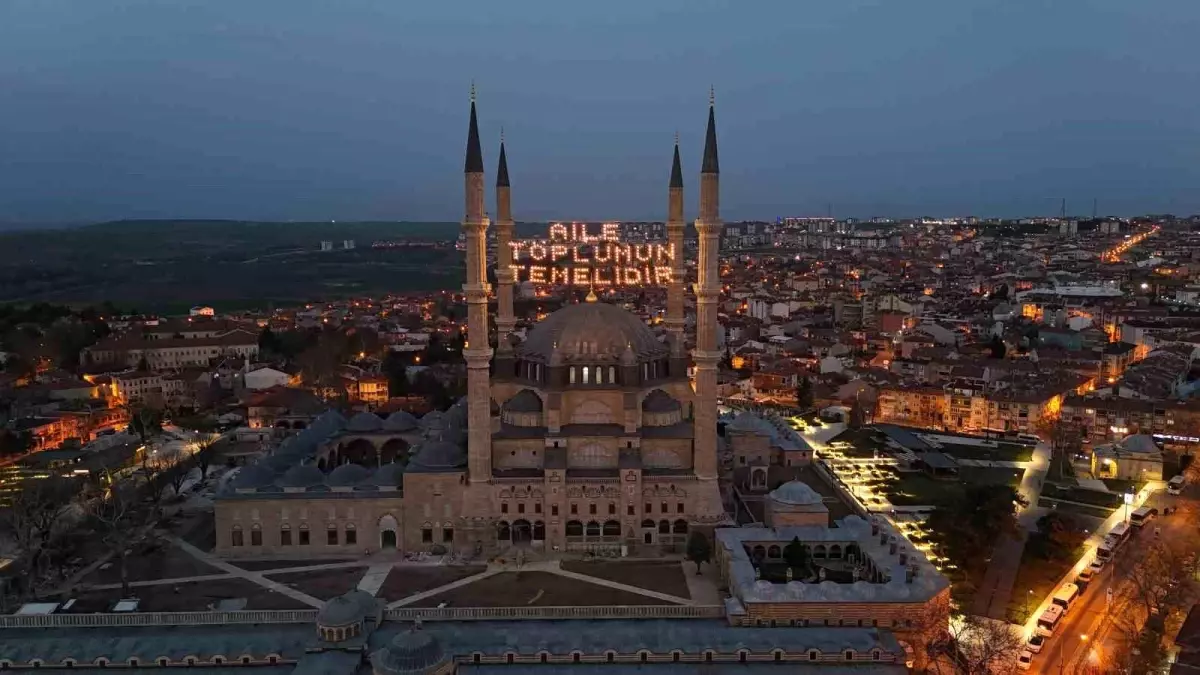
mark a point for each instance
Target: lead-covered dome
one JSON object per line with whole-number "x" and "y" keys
{"x": 413, "y": 652}
{"x": 795, "y": 493}
{"x": 591, "y": 331}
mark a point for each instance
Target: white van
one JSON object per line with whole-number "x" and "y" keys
{"x": 1175, "y": 485}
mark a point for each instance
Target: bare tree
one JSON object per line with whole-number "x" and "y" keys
{"x": 114, "y": 512}
{"x": 176, "y": 471}
{"x": 206, "y": 450}
{"x": 977, "y": 645}
{"x": 29, "y": 520}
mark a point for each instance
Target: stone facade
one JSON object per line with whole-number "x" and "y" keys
{"x": 585, "y": 436}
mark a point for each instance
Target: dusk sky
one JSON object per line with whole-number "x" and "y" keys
{"x": 313, "y": 110}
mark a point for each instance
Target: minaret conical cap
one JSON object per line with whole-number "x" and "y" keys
{"x": 502, "y": 169}
{"x": 474, "y": 163}
{"x": 711, "y": 165}
{"x": 676, "y": 169}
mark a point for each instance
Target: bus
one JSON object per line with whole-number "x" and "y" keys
{"x": 1049, "y": 620}
{"x": 1065, "y": 596}
{"x": 1114, "y": 540}
{"x": 1142, "y": 516}
{"x": 1175, "y": 485}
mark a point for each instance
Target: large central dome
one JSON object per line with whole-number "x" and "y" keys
{"x": 591, "y": 331}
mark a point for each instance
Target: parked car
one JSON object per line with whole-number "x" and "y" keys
{"x": 1036, "y": 643}
{"x": 1025, "y": 660}
{"x": 1085, "y": 576}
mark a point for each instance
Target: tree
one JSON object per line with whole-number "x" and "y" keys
{"x": 978, "y": 645}
{"x": 999, "y": 349}
{"x": 857, "y": 415}
{"x": 804, "y": 393}
{"x": 13, "y": 443}
{"x": 395, "y": 367}
{"x": 699, "y": 550}
{"x": 206, "y": 450}
{"x": 176, "y": 471}
{"x": 1059, "y": 536}
{"x": 144, "y": 420}
{"x": 29, "y": 520}
{"x": 968, "y": 524}
{"x": 114, "y": 514}
{"x": 795, "y": 554}
{"x": 268, "y": 342}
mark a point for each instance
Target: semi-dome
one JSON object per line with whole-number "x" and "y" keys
{"x": 659, "y": 401}
{"x": 438, "y": 455}
{"x": 347, "y": 475}
{"x": 302, "y": 477}
{"x": 795, "y": 493}
{"x": 413, "y": 652}
{"x": 524, "y": 402}
{"x": 388, "y": 475}
{"x": 591, "y": 331}
{"x": 400, "y": 421}
{"x": 252, "y": 477}
{"x": 364, "y": 422}
{"x": 432, "y": 420}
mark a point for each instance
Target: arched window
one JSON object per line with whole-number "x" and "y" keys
{"x": 835, "y": 552}
{"x": 648, "y": 524}
{"x": 664, "y": 527}
{"x": 593, "y": 529}
{"x": 773, "y": 551}
{"x": 235, "y": 536}
{"x": 574, "y": 528}
{"x": 504, "y": 532}
{"x": 681, "y": 526}
{"x": 585, "y": 375}
{"x": 612, "y": 374}
{"x": 813, "y": 655}
{"x": 612, "y": 528}
{"x": 571, "y": 375}
{"x": 599, "y": 375}
{"x": 539, "y": 531}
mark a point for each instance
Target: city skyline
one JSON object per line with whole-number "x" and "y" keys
{"x": 130, "y": 110}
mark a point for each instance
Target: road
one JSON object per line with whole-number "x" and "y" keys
{"x": 1083, "y": 636}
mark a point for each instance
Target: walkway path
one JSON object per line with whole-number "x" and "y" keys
{"x": 702, "y": 587}
{"x": 995, "y": 591}
{"x": 373, "y": 580}
{"x": 254, "y": 577}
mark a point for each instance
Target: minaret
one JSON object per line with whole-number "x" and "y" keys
{"x": 477, "y": 353}
{"x": 504, "y": 271}
{"x": 706, "y": 355}
{"x": 675, "y": 227}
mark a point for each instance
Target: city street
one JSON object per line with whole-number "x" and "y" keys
{"x": 1085, "y": 636}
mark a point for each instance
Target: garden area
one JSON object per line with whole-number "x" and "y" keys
{"x": 535, "y": 589}
{"x": 653, "y": 575}
{"x": 1048, "y": 554}
{"x": 796, "y": 562}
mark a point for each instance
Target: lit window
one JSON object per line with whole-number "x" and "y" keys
{"x": 585, "y": 375}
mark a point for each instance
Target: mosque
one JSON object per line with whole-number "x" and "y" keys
{"x": 587, "y": 436}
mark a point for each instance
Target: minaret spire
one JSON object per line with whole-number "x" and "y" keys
{"x": 675, "y": 290}
{"x": 711, "y": 165}
{"x": 474, "y": 162}
{"x": 676, "y": 168}
{"x": 502, "y": 169}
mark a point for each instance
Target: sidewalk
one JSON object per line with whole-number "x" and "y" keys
{"x": 245, "y": 574}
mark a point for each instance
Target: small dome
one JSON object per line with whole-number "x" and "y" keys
{"x": 345, "y": 610}
{"x": 388, "y": 475}
{"x": 302, "y": 477}
{"x": 413, "y": 652}
{"x": 524, "y": 401}
{"x": 795, "y": 493}
{"x": 252, "y": 477}
{"x": 400, "y": 421}
{"x": 364, "y": 422}
{"x": 347, "y": 475}
{"x": 659, "y": 401}
{"x": 591, "y": 331}
{"x": 432, "y": 420}
{"x": 438, "y": 456}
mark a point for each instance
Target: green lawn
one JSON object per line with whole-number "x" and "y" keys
{"x": 1004, "y": 452}
{"x": 990, "y": 475}
{"x": 1098, "y": 512}
{"x": 1036, "y": 577}
{"x": 918, "y": 489}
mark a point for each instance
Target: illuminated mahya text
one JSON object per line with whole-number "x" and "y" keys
{"x": 573, "y": 256}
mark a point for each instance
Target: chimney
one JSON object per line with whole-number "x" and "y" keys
{"x": 874, "y": 525}
{"x": 909, "y": 573}
{"x": 904, "y": 556}
{"x": 892, "y": 545}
